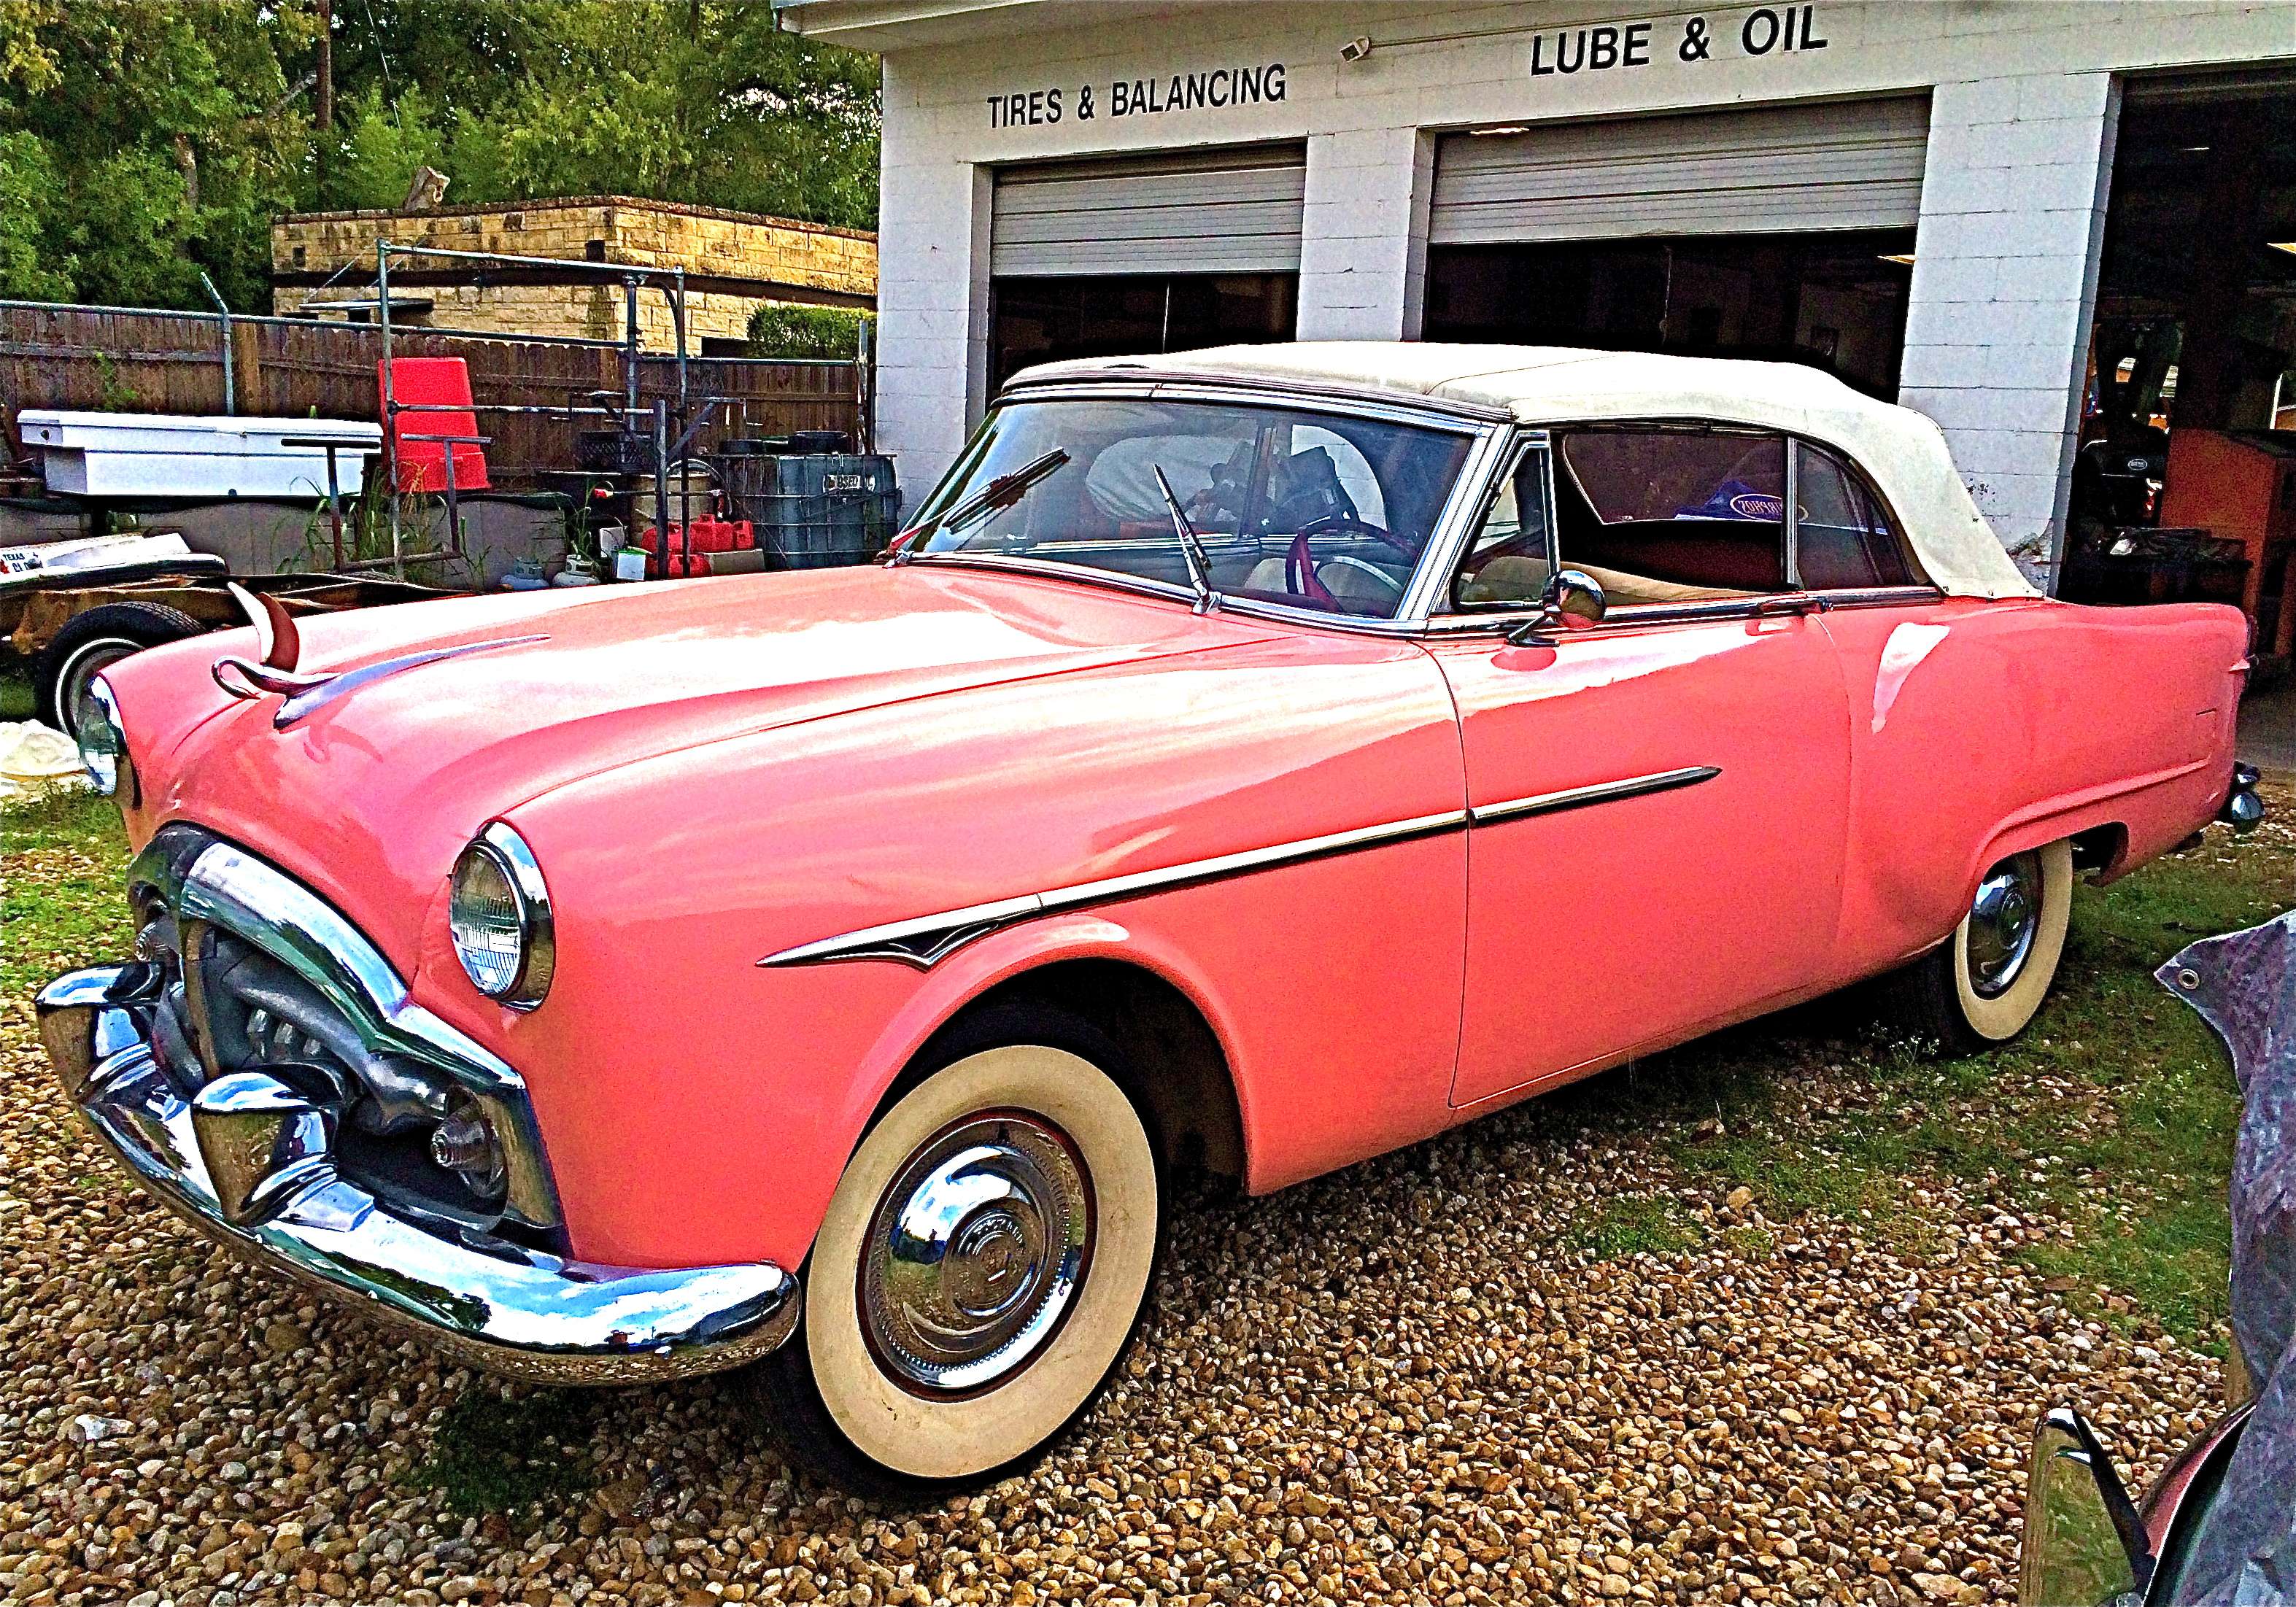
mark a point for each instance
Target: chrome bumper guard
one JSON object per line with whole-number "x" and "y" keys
{"x": 246, "y": 1160}
{"x": 2242, "y": 809}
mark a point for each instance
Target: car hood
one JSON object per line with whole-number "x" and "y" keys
{"x": 373, "y": 793}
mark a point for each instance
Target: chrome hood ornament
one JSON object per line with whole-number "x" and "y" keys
{"x": 2244, "y": 985}
{"x": 280, "y": 645}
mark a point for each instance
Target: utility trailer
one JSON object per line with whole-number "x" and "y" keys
{"x": 73, "y": 623}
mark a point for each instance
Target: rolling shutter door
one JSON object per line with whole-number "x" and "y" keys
{"x": 1786, "y": 169}
{"x": 1202, "y": 212}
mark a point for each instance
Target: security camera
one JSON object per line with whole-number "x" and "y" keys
{"x": 1355, "y": 49}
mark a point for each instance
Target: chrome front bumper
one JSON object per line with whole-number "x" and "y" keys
{"x": 247, "y": 1161}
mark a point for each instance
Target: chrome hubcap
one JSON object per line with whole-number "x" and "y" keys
{"x": 2002, "y": 921}
{"x": 976, "y": 1253}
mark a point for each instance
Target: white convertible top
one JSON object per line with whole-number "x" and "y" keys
{"x": 1904, "y": 452}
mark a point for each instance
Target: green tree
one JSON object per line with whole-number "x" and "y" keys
{"x": 144, "y": 141}
{"x": 168, "y": 137}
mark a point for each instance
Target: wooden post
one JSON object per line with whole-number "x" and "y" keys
{"x": 247, "y": 353}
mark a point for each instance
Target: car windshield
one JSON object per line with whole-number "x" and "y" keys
{"x": 1317, "y": 510}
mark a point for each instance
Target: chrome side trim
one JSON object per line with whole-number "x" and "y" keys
{"x": 923, "y": 940}
{"x": 1578, "y": 797}
{"x": 513, "y": 1310}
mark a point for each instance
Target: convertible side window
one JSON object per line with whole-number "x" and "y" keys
{"x": 1844, "y": 537}
{"x": 1506, "y": 564}
{"x": 1673, "y": 515}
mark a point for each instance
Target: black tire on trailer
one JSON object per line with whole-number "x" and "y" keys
{"x": 105, "y": 634}
{"x": 909, "y": 1379}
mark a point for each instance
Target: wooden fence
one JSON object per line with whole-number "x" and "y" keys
{"x": 125, "y": 361}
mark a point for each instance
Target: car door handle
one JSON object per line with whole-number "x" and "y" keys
{"x": 1790, "y": 603}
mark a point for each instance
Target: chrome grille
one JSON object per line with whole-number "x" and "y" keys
{"x": 227, "y": 1005}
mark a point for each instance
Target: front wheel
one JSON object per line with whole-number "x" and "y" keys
{"x": 1985, "y": 985}
{"x": 983, "y": 1263}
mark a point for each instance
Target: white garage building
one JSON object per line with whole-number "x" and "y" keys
{"x": 1913, "y": 194}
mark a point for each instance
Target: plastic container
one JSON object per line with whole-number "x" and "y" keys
{"x": 812, "y": 511}
{"x": 692, "y": 495}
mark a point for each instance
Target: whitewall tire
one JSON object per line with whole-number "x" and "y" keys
{"x": 1985, "y": 985}
{"x": 981, "y": 1269}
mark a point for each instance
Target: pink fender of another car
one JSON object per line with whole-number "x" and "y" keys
{"x": 1980, "y": 729}
{"x": 698, "y": 1106}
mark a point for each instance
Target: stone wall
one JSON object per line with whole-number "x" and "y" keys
{"x": 769, "y": 259}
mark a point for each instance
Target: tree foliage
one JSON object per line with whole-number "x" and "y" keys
{"x": 143, "y": 141}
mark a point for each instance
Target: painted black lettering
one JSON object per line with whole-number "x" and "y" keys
{"x": 1052, "y": 102}
{"x": 995, "y": 109}
{"x": 1538, "y": 66}
{"x": 1809, "y": 35}
{"x": 1759, "y": 34}
{"x": 1140, "y": 102}
{"x": 1637, "y": 51}
{"x": 1273, "y": 78}
{"x": 1247, "y": 86}
{"x": 1602, "y": 47}
{"x": 1563, "y": 60}
{"x": 1220, "y": 88}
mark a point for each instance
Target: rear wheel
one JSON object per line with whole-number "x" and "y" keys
{"x": 983, "y": 1265}
{"x": 93, "y": 641}
{"x": 1986, "y": 984}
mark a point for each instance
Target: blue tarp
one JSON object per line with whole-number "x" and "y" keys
{"x": 2244, "y": 986}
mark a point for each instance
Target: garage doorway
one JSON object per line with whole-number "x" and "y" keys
{"x": 1777, "y": 233}
{"x": 1155, "y": 254}
{"x": 2185, "y": 478}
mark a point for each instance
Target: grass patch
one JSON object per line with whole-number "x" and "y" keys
{"x": 495, "y": 1452}
{"x": 2114, "y": 1115}
{"x": 15, "y": 687}
{"x": 1639, "y": 1225}
{"x": 62, "y": 903}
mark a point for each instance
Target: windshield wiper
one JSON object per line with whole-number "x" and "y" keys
{"x": 997, "y": 494}
{"x": 1200, "y": 567}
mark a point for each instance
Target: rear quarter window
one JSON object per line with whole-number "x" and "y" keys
{"x": 1662, "y": 515}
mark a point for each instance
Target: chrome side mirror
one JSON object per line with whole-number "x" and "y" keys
{"x": 1574, "y": 594}
{"x": 1570, "y": 595}
{"x": 2084, "y": 1544}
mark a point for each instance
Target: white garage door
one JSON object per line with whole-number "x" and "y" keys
{"x": 1202, "y": 212}
{"x": 1786, "y": 169}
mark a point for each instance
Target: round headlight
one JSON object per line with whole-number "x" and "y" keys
{"x": 498, "y": 911}
{"x": 103, "y": 742}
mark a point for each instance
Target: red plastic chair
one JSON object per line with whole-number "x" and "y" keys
{"x": 432, "y": 382}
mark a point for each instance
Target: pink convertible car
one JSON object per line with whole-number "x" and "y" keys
{"x": 1249, "y": 762}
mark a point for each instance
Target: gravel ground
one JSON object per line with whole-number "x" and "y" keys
{"x": 1426, "y": 1379}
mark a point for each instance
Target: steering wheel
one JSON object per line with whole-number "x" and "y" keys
{"x": 1353, "y": 524}
{"x": 1299, "y": 576}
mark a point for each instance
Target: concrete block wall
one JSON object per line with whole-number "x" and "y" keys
{"x": 2013, "y": 197}
{"x": 1363, "y": 248}
{"x": 2023, "y": 113}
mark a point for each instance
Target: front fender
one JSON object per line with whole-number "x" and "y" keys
{"x": 697, "y": 1107}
